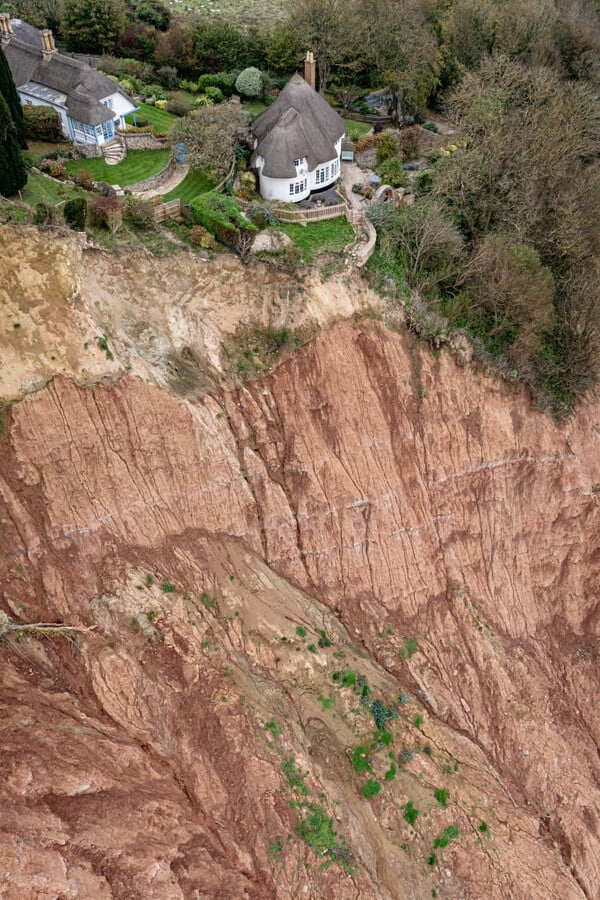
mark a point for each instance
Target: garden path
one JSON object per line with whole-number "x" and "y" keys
{"x": 172, "y": 182}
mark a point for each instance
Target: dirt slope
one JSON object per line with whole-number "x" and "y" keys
{"x": 364, "y": 509}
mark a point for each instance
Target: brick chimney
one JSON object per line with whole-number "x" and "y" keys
{"x": 5, "y": 28}
{"x": 310, "y": 71}
{"x": 48, "y": 47}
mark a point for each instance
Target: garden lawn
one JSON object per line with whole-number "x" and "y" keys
{"x": 356, "y": 130}
{"x": 40, "y": 189}
{"x": 137, "y": 165}
{"x": 160, "y": 119}
{"x": 329, "y": 236}
{"x": 254, "y": 107}
{"x": 195, "y": 182}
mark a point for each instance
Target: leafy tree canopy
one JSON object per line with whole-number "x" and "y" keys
{"x": 93, "y": 26}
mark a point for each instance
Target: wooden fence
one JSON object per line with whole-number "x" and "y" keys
{"x": 170, "y": 210}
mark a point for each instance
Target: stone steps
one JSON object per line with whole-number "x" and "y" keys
{"x": 114, "y": 151}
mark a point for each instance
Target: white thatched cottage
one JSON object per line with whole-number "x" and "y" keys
{"x": 89, "y": 104}
{"x": 297, "y": 142}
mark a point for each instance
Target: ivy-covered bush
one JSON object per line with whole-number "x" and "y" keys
{"x": 222, "y": 216}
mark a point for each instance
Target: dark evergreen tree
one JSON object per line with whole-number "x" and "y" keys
{"x": 9, "y": 92}
{"x": 12, "y": 168}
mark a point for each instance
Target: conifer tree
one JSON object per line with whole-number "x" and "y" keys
{"x": 12, "y": 168}
{"x": 9, "y": 92}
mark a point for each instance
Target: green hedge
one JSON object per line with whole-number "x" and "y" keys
{"x": 42, "y": 123}
{"x": 222, "y": 216}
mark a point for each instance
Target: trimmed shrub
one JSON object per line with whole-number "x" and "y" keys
{"x": 161, "y": 104}
{"x": 42, "y": 123}
{"x": 177, "y": 108}
{"x": 249, "y": 83}
{"x": 75, "y": 213}
{"x": 215, "y": 93}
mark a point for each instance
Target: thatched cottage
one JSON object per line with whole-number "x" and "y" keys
{"x": 89, "y": 104}
{"x": 297, "y": 141}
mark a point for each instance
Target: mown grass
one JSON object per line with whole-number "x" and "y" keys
{"x": 40, "y": 189}
{"x": 356, "y": 130}
{"x": 330, "y": 236}
{"x": 160, "y": 119}
{"x": 137, "y": 165}
{"x": 195, "y": 182}
{"x": 254, "y": 107}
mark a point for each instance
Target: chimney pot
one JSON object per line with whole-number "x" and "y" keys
{"x": 310, "y": 75}
{"x": 5, "y": 27}
{"x": 48, "y": 47}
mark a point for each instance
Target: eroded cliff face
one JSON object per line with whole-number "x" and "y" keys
{"x": 365, "y": 509}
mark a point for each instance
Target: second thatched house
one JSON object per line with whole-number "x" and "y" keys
{"x": 297, "y": 142}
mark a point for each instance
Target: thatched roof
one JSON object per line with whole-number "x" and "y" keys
{"x": 83, "y": 86}
{"x": 299, "y": 124}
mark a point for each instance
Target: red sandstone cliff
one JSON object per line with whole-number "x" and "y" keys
{"x": 441, "y": 534}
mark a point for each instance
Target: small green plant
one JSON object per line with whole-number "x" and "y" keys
{"x": 167, "y": 588}
{"x": 300, "y": 631}
{"x": 447, "y": 835}
{"x": 483, "y": 827}
{"x": 324, "y": 640}
{"x": 312, "y": 648}
{"x": 326, "y": 702}
{"x": 345, "y": 678}
{"x": 359, "y": 758}
{"x": 385, "y": 737}
{"x": 149, "y": 581}
{"x": 370, "y": 788}
{"x": 431, "y": 860}
{"x": 103, "y": 345}
{"x": 208, "y": 601}
{"x": 418, "y": 720}
{"x": 275, "y": 729}
{"x": 411, "y": 813}
{"x": 427, "y": 750}
{"x": 152, "y": 615}
{"x": 441, "y": 795}
{"x": 391, "y": 772}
